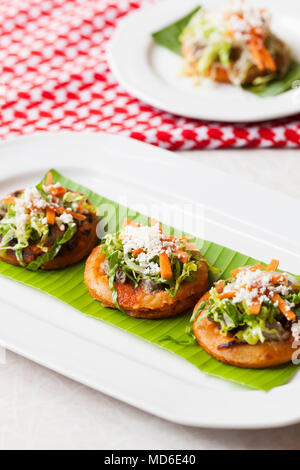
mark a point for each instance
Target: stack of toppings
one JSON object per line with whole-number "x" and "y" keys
{"x": 255, "y": 285}
{"x": 256, "y": 304}
{"x": 237, "y": 45}
{"x": 145, "y": 244}
{"x": 251, "y": 26}
{"x": 42, "y": 217}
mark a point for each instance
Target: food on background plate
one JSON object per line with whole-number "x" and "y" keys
{"x": 46, "y": 226}
{"x": 251, "y": 319}
{"x": 145, "y": 272}
{"x": 232, "y": 46}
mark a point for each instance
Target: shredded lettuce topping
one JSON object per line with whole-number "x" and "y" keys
{"x": 257, "y": 304}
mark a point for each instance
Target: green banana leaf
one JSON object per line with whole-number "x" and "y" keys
{"x": 68, "y": 286}
{"x": 276, "y": 87}
{"x": 168, "y": 37}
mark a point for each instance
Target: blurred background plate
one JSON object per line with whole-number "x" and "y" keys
{"x": 152, "y": 73}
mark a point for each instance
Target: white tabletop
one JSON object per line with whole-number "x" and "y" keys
{"x": 40, "y": 409}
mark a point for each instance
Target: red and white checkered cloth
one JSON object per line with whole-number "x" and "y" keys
{"x": 54, "y": 76}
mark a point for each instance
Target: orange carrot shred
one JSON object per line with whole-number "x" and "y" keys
{"x": 9, "y": 200}
{"x": 182, "y": 255}
{"x": 136, "y": 253}
{"x": 49, "y": 179}
{"x": 295, "y": 287}
{"x": 268, "y": 59}
{"x": 191, "y": 246}
{"x": 61, "y": 210}
{"x": 283, "y": 307}
{"x": 50, "y": 213}
{"x": 278, "y": 278}
{"x": 257, "y": 267}
{"x": 256, "y": 54}
{"x": 165, "y": 266}
{"x": 226, "y": 295}
{"x": 57, "y": 191}
{"x": 254, "y": 309}
{"x": 273, "y": 265}
{"x": 235, "y": 272}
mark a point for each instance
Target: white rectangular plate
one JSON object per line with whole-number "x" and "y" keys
{"x": 205, "y": 202}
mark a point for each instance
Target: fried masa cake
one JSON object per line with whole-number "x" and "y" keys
{"x": 146, "y": 273}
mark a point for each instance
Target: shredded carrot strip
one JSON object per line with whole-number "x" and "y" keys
{"x": 257, "y": 267}
{"x": 283, "y": 307}
{"x": 9, "y": 200}
{"x": 49, "y": 179}
{"x": 278, "y": 278}
{"x": 165, "y": 266}
{"x": 50, "y": 213}
{"x": 295, "y": 286}
{"x": 57, "y": 191}
{"x": 136, "y": 253}
{"x": 220, "y": 286}
{"x": 235, "y": 272}
{"x": 273, "y": 265}
{"x": 226, "y": 295}
{"x": 182, "y": 255}
{"x": 61, "y": 210}
{"x": 256, "y": 54}
{"x": 254, "y": 309}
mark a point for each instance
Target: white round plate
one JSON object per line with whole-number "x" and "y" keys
{"x": 152, "y": 73}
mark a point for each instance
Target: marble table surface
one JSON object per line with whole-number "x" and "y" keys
{"x": 40, "y": 409}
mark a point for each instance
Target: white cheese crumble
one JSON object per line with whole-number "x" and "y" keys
{"x": 66, "y": 218}
{"x": 250, "y": 285}
{"x": 31, "y": 199}
{"x": 238, "y": 23}
{"x": 296, "y": 330}
{"x": 151, "y": 242}
{"x": 244, "y": 19}
{"x": 63, "y": 219}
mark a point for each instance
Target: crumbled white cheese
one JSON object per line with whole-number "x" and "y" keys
{"x": 250, "y": 285}
{"x": 66, "y": 218}
{"x": 31, "y": 199}
{"x": 244, "y": 20}
{"x": 151, "y": 242}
